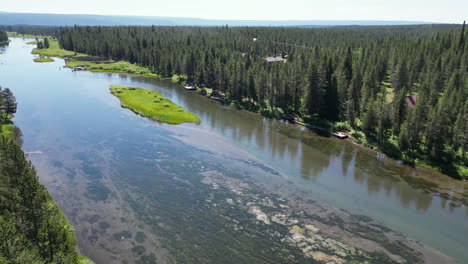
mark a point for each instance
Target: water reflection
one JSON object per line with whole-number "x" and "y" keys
{"x": 299, "y": 152}
{"x": 328, "y": 169}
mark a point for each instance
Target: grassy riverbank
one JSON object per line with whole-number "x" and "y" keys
{"x": 94, "y": 64}
{"x": 152, "y": 104}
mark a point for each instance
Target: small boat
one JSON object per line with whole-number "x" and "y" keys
{"x": 217, "y": 98}
{"x": 341, "y": 135}
{"x": 190, "y": 87}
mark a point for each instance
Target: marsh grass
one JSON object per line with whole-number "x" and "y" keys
{"x": 153, "y": 105}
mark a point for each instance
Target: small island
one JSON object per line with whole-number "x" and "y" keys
{"x": 153, "y": 105}
{"x": 43, "y": 60}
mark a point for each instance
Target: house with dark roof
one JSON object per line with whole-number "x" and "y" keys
{"x": 411, "y": 100}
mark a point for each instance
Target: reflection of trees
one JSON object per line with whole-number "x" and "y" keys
{"x": 313, "y": 154}
{"x": 379, "y": 176}
{"x": 347, "y": 157}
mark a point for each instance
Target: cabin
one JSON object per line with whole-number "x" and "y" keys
{"x": 411, "y": 100}
{"x": 275, "y": 59}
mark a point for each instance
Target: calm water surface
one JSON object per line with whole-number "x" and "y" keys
{"x": 64, "y": 112}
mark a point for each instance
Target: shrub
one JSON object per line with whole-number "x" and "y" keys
{"x": 359, "y": 137}
{"x": 342, "y": 126}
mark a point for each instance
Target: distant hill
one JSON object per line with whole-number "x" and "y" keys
{"x": 7, "y": 18}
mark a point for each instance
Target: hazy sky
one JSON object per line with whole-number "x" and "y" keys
{"x": 454, "y": 11}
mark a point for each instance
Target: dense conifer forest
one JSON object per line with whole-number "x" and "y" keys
{"x": 400, "y": 89}
{"x": 403, "y": 89}
{"x": 32, "y": 227}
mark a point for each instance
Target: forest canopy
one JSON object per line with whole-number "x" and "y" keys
{"x": 402, "y": 88}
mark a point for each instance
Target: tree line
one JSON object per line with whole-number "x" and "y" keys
{"x": 8, "y": 104}
{"x": 42, "y": 44}
{"x": 32, "y": 227}
{"x": 362, "y": 76}
{"x": 3, "y": 36}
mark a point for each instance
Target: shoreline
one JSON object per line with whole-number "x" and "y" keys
{"x": 297, "y": 231}
{"x": 238, "y": 105}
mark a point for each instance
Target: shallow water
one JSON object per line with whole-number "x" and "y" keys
{"x": 80, "y": 128}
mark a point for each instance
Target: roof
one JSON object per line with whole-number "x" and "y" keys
{"x": 411, "y": 100}
{"x": 274, "y": 59}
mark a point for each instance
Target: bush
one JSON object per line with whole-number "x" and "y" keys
{"x": 342, "y": 126}
{"x": 359, "y": 137}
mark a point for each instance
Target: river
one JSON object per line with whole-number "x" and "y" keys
{"x": 112, "y": 171}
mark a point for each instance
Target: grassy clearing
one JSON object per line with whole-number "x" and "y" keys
{"x": 152, "y": 104}
{"x": 54, "y": 50}
{"x": 43, "y": 60}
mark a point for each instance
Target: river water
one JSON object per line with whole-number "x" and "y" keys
{"x": 103, "y": 164}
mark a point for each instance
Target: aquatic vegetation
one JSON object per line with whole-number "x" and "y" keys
{"x": 138, "y": 250}
{"x": 152, "y": 104}
{"x": 140, "y": 237}
{"x": 33, "y": 228}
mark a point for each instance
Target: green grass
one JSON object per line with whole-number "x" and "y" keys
{"x": 84, "y": 260}
{"x": 91, "y": 63}
{"x": 17, "y": 35}
{"x": 43, "y": 60}
{"x": 109, "y": 66}
{"x": 31, "y": 43}
{"x": 54, "y": 50}
{"x": 180, "y": 79}
{"x": 152, "y": 104}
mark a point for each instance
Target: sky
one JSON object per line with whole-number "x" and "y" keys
{"x": 448, "y": 11}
